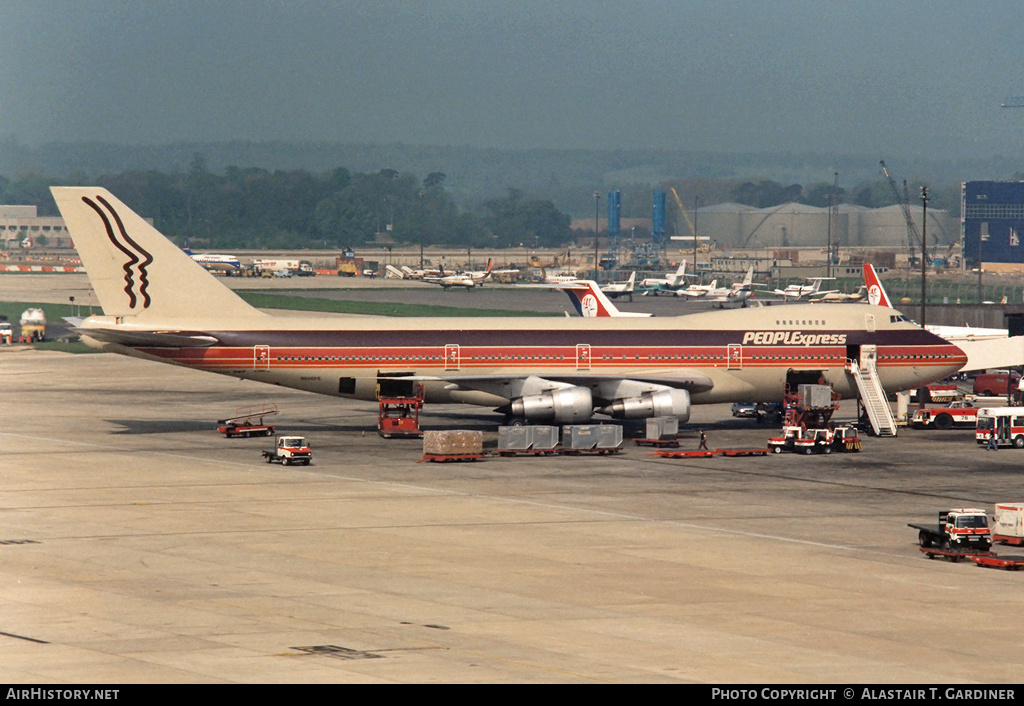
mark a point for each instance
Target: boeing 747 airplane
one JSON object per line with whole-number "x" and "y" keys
{"x": 159, "y": 305}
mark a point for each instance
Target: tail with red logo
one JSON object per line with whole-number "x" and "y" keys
{"x": 876, "y": 292}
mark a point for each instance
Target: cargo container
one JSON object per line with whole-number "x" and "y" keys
{"x": 1008, "y": 527}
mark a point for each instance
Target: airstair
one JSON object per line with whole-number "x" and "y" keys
{"x": 872, "y": 396}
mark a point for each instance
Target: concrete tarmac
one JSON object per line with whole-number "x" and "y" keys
{"x": 140, "y": 546}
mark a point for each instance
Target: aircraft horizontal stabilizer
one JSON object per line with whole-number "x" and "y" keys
{"x": 149, "y": 339}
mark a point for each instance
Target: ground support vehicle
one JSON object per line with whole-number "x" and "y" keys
{"x": 936, "y": 392}
{"x": 289, "y": 450}
{"x": 249, "y": 421}
{"x": 958, "y": 529}
{"x": 1008, "y": 523}
{"x": 1006, "y": 424}
{"x": 796, "y": 439}
{"x": 400, "y": 417}
{"x": 960, "y": 413}
{"x": 657, "y": 443}
{"x": 445, "y": 458}
{"x": 998, "y": 383}
{"x": 954, "y": 555}
{"x": 845, "y": 438}
{"x": 995, "y": 561}
{"x": 709, "y": 453}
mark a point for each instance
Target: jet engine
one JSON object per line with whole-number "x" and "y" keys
{"x": 568, "y": 405}
{"x": 662, "y": 403}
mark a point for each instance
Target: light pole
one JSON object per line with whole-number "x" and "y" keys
{"x": 924, "y": 252}
{"x": 597, "y": 202}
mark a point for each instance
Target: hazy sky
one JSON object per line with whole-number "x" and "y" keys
{"x": 860, "y": 77}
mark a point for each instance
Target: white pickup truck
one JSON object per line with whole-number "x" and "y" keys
{"x": 289, "y": 450}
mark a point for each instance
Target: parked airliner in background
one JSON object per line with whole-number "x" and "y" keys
{"x": 737, "y": 294}
{"x": 800, "y": 291}
{"x": 466, "y": 280}
{"x": 620, "y": 289}
{"x": 671, "y": 282}
{"x": 160, "y": 305}
{"x": 228, "y": 264}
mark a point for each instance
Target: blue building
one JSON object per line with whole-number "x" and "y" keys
{"x": 992, "y": 222}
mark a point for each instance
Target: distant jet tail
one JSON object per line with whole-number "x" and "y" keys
{"x": 589, "y": 300}
{"x": 680, "y": 274}
{"x": 876, "y": 292}
{"x": 136, "y": 271}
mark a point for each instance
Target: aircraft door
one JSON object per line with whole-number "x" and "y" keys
{"x": 869, "y": 322}
{"x": 261, "y": 357}
{"x": 868, "y": 355}
{"x": 735, "y": 356}
{"x": 583, "y": 356}
{"x": 452, "y": 357}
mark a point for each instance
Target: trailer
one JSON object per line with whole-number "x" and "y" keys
{"x": 958, "y": 529}
{"x": 995, "y": 561}
{"x": 954, "y": 555}
{"x": 249, "y": 421}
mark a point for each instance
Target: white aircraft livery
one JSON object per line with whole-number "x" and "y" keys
{"x": 160, "y": 305}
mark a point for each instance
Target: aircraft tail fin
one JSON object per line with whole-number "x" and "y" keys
{"x": 134, "y": 269}
{"x": 589, "y": 300}
{"x": 876, "y": 292}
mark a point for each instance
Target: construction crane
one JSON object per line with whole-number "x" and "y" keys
{"x": 904, "y": 202}
{"x": 697, "y": 246}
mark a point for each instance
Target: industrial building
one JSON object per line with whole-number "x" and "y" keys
{"x": 992, "y": 224}
{"x": 21, "y": 226}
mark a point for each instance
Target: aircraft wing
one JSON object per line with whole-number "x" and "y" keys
{"x": 513, "y": 386}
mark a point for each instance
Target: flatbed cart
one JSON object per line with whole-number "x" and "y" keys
{"x": 954, "y": 555}
{"x": 744, "y": 452}
{"x": 716, "y": 452}
{"x": 249, "y": 421}
{"x": 448, "y": 458}
{"x": 994, "y": 561}
{"x": 658, "y": 443}
{"x": 528, "y": 452}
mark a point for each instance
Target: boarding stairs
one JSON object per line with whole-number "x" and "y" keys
{"x": 872, "y": 396}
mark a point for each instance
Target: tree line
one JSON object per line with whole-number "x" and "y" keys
{"x": 260, "y": 208}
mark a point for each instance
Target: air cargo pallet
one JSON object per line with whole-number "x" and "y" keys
{"x": 954, "y": 555}
{"x": 446, "y": 458}
{"x": 708, "y": 453}
{"x": 993, "y": 561}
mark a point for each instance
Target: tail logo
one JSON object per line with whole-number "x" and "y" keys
{"x": 874, "y": 295}
{"x": 588, "y": 303}
{"x": 136, "y": 256}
